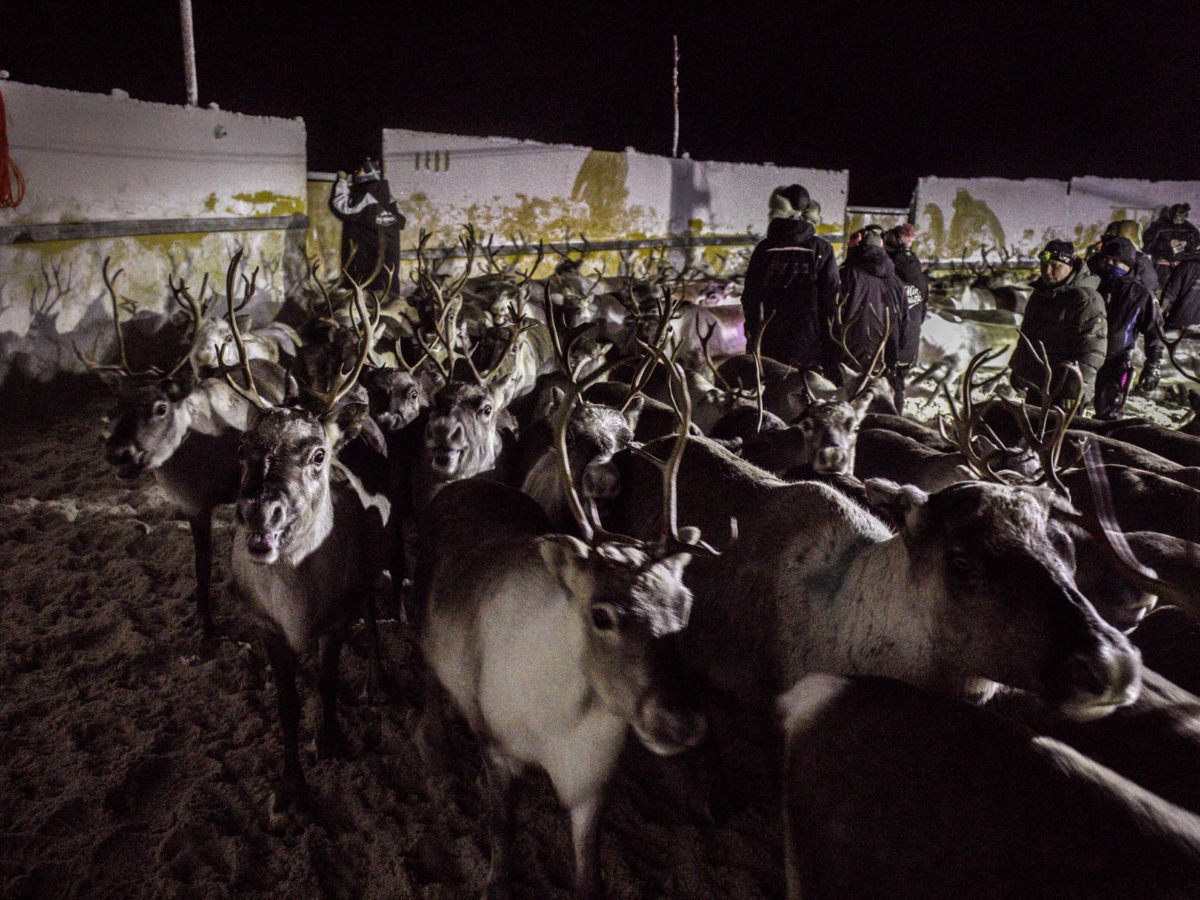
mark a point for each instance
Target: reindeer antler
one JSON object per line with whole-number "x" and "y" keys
{"x": 250, "y": 391}
{"x": 343, "y": 382}
{"x": 197, "y": 309}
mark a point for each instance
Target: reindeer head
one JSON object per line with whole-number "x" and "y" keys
{"x": 462, "y": 437}
{"x": 150, "y": 422}
{"x": 284, "y": 505}
{"x": 397, "y": 397}
{"x": 630, "y": 602}
{"x": 1003, "y": 558}
{"x": 285, "y": 458}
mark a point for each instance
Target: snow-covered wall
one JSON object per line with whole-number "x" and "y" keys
{"x": 548, "y": 191}
{"x": 958, "y": 217}
{"x": 957, "y": 214}
{"x": 160, "y": 189}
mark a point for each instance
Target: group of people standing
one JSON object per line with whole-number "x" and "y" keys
{"x": 808, "y": 312}
{"x": 1091, "y": 311}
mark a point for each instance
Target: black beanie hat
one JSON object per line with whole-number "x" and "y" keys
{"x": 1120, "y": 249}
{"x": 1062, "y": 251}
{"x": 794, "y": 199}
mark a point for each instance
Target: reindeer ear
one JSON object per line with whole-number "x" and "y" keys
{"x": 502, "y": 390}
{"x": 849, "y": 375}
{"x": 430, "y": 381}
{"x": 555, "y": 400}
{"x": 344, "y": 424}
{"x": 245, "y": 323}
{"x": 860, "y": 403}
{"x": 178, "y": 387}
{"x": 904, "y": 504}
{"x": 634, "y": 411}
{"x": 564, "y": 557}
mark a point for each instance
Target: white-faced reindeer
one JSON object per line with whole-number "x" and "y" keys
{"x": 310, "y": 543}
{"x": 183, "y": 430}
{"x": 891, "y": 791}
{"x": 552, "y": 647}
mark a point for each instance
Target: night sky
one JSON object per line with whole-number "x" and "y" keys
{"x": 890, "y": 92}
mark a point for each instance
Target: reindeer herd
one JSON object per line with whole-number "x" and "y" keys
{"x": 595, "y": 519}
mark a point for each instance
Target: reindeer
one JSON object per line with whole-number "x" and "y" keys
{"x": 817, "y": 584}
{"x": 184, "y": 430}
{"x": 891, "y": 791}
{"x": 310, "y": 542}
{"x": 552, "y": 647}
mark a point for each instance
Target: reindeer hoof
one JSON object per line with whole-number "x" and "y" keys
{"x": 331, "y": 744}
{"x": 289, "y": 800}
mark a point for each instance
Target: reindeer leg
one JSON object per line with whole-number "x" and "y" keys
{"x": 330, "y": 740}
{"x": 430, "y": 734}
{"x": 283, "y": 665}
{"x": 585, "y": 834}
{"x": 378, "y": 679}
{"x": 201, "y": 525}
{"x": 501, "y": 778}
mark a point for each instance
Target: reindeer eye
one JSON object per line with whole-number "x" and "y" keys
{"x": 486, "y": 410}
{"x": 160, "y": 409}
{"x": 961, "y": 564}
{"x": 318, "y": 456}
{"x": 412, "y": 395}
{"x": 603, "y": 618}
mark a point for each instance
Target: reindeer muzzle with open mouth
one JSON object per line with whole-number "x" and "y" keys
{"x": 266, "y": 525}
{"x": 665, "y": 730}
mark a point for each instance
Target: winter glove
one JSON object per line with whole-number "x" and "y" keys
{"x": 342, "y": 176}
{"x": 1151, "y": 376}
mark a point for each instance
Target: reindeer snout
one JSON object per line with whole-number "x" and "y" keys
{"x": 264, "y": 513}
{"x": 601, "y": 481}
{"x": 448, "y": 435}
{"x": 832, "y": 460}
{"x": 1101, "y": 679}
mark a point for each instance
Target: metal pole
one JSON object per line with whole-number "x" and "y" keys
{"x": 189, "y": 52}
{"x": 675, "y": 76}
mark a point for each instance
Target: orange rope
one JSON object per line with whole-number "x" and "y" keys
{"x": 12, "y": 182}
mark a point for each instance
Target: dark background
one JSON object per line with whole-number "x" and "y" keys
{"x": 891, "y": 92}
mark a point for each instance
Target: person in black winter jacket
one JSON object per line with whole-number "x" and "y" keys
{"x": 1168, "y": 236}
{"x": 872, "y": 302}
{"x": 1064, "y": 318}
{"x": 371, "y": 225}
{"x": 792, "y": 280}
{"x": 1131, "y": 309}
{"x": 1181, "y": 295}
{"x": 898, "y": 243}
{"x": 1144, "y": 269}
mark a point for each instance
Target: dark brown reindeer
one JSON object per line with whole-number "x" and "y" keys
{"x": 553, "y": 647}
{"x": 891, "y": 791}
{"x": 183, "y": 430}
{"x": 309, "y": 545}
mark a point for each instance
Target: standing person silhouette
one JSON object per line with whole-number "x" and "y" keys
{"x": 371, "y": 225}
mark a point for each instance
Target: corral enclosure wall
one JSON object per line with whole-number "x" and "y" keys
{"x": 160, "y": 189}
{"x": 959, "y": 217}
{"x": 552, "y": 192}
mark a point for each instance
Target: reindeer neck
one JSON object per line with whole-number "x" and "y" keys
{"x": 315, "y": 529}
{"x": 883, "y": 617}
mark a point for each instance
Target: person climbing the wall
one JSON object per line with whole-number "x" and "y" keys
{"x": 371, "y": 225}
{"x": 791, "y": 284}
{"x": 1169, "y": 235}
{"x": 1131, "y": 310}
{"x": 1066, "y": 318}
